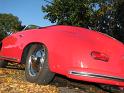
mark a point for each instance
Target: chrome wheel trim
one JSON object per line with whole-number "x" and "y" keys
{"x": 36, "y": 61}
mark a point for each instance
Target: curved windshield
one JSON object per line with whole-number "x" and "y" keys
{"x": 31, "y": 27}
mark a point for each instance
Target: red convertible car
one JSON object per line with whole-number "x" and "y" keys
{"x": 75, "y": 52}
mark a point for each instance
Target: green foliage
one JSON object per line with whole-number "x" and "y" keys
{"x": 100, "y": 15}
{"x": 85, "y": 13}
{"x": 120, "y": 18}
{"x": 68, "y": 12}
{"x": 75, "y": 12}
{"x": 8, "y": 25}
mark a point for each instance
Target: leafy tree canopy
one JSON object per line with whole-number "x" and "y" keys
{"x": 76, "y": 12}
{"x": 9, "y": 24}
{"x": 120, "y": 18}
{"x": 68, "y": 12}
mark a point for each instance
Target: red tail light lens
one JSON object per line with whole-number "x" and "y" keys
{"x": 99, "y": 56}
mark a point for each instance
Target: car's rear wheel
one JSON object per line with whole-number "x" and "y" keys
{"x": 37, "y": 69}
{"x": 3, "y": 64}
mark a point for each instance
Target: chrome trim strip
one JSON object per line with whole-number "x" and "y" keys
{"x": 96, "y": 75}
{"x": 7, "y": 58}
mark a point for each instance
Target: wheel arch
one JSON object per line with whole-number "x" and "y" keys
{"x": 26, "y": 49}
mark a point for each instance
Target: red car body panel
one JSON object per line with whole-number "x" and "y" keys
{"x": 69, "y": 52}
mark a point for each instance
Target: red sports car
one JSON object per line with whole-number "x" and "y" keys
{"x": 75, "y": 52}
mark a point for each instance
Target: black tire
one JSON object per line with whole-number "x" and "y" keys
{"x": 37, "y": 69}
{"x": 3, "y": 64}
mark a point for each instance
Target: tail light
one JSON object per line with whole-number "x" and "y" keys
{"x": 99, "y": 56}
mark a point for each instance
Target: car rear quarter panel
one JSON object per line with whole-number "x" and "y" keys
{"x": 65, "y": 48}
{"x": 70, "y": 49}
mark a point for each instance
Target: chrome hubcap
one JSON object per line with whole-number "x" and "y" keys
{"x": 36, "y": 61}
